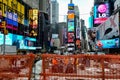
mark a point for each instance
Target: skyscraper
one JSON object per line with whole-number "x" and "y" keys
{"x": 54, "y": 11}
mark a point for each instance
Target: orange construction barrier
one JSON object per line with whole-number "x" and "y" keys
{"x": 16, "y": 67}
{"x": 80, "y": 67}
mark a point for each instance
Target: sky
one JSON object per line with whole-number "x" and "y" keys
{"x": 85, "y": 6}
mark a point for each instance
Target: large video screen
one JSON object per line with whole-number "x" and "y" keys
{"x": 70, "y": 26}
{"x": 26, "y": 43}
{"x": 8, "y": 39}
{"x": 111, "y": 43}
{"x": 21, "y": 42}
{"x": 101, "y": 13}
{"x": 71, "y": 37}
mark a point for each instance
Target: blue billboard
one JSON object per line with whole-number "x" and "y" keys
{"x": 21, "y": 42}
{"x": 8, "y": 39}
{"x": 111, "y": 43}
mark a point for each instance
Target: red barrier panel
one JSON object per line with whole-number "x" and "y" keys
{"x": 77, "y": 67}
{"x": 16, "y": 67}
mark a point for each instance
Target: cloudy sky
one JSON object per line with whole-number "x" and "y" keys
{"x": 85, "y": 7}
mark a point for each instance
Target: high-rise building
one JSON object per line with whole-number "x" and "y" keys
{"x": 31, "y": 3}
{"x": 54, "y": 11}
{"x": 83, "y": 36}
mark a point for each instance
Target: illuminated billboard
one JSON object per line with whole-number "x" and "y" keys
{"x": 71, "y": 16}
{"x": 109, "y": 29}
{"x": 33, "y": 18}
{"x": 33, "y": 21}
{"x": 111, "y": 43}
{"x": 20, "y": 41}
{"x": 71, "y": 6}
{"x": 70, "y": 37}
{"x": 101, "y": 13}
{"x": 8, "y": 39}
{"x": 11, "y": 19}
{"x": 71, "y": 26}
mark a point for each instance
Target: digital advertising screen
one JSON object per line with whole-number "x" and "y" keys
{"x": 71, "y": 26}
{"x": 71, "y": 37}
{"x": 71, "y": 6}
{"x": 111, "y": 43}
{"x": 33, "y": 18}
{"x": 101, "y": 13}
{"x": 21, "y": 42}
{"x": 8, "y": 39}
{"x": 27, "y": 43}
{"x": 71, "y": 16}
{"x": 11, "y": 20}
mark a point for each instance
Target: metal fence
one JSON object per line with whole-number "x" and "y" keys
{"x": 80, "y": 67}
{"x": 16, "y": 67}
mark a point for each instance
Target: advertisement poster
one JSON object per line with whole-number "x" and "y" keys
{"x": 111, "y": 43}
{"x": 110, "y": 28}
{"x": 101, "y": 13}
{"x": 18, "y": 40}
{"x": 8, "y": 40}
{"x": 71, "y": 37}
{"x": 71, "y": 26}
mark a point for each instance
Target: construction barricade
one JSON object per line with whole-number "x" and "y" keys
{"x": 16, "y": 67}
{"x": 80, "y": 67}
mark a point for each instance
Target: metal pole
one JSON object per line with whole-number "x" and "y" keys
{"x": 4, "y": 44}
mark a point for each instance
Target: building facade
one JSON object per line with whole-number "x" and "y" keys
{"x": 54, "y": 11}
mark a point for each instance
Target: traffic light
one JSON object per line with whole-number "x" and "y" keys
{"x": 3, "y": 28}
{"x": 3, "y": 25}
{"x": 4, "y": 31}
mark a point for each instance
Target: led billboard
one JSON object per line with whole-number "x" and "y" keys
{"x": 70, "y": 37}
{"x": 111, "y": 43}
{"x": 109, "y": 29}
{"x": 8, "y": 39}
{"x": 71, "y": 26}
{"x": 20, "y": 41}
{"x": 101, "y": 13}
{"x": 71, "y": 6}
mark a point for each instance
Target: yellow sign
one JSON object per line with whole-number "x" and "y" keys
{"x": 14, "y": 4}
{"x": 4, "y": 9}
{"x": 33, "y": 18}
{"x": 18, "y": 7}
{"x": 9, "y": 3}
{"x": 22, "y": 9}
{"x": 5, "y": 2}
